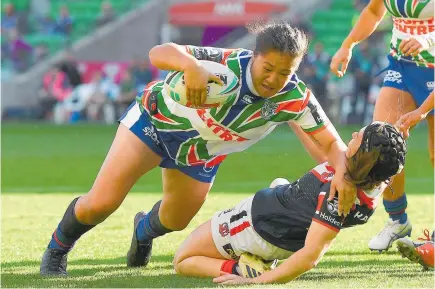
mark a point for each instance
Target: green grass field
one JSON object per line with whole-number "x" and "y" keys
{"x": 45, "y": 167}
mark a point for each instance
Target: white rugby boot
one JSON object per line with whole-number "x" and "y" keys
{"x": 392, "y": 231}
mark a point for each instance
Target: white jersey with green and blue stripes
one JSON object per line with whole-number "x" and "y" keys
{"x": 412, "y": 18}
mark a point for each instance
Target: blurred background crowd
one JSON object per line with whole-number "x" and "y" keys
{"x": 71, "y": 61}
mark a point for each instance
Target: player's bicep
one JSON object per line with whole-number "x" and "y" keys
{"x": 377, "y": 8}
{"x": 209, "y": 53}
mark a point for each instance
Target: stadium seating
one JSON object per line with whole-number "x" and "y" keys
{"x": 83, "y": 12}
{"x": 331, "y": 26}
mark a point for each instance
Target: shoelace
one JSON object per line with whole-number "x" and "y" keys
{"x": 426, "y": 236}
{"x": 387, "y": 228}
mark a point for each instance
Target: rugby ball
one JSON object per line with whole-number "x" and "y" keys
{"x": 217, "y": 95}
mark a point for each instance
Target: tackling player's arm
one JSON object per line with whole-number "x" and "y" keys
{"x": 315, "y": 123}
{"x": 331, "y": 143}
{"x": 310, "y": 146}
{"x": 319, "y": 239}
{"x": 171, "y": 56}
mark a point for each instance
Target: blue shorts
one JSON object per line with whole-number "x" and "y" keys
{"x": 138, "y": 122}
{"x": 406, "y": 76}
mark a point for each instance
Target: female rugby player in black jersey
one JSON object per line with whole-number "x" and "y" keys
{"x": 292, "y": 221}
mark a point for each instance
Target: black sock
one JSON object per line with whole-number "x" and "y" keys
{"x": 150, "y": 226}
{"x": 69, "y": 230}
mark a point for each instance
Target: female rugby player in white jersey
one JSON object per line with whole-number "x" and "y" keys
{"x": 189, "y": 144}
{"x": 408, "y": 82}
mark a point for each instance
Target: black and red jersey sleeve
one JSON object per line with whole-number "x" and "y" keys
{"x": 326, "y": 212}
{"x": 210, "y": 53}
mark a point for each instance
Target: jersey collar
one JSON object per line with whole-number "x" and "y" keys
{"x": 249, "y": 79}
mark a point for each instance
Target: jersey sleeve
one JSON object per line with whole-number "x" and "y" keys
{"x": 327, "y": 212}
{"x": 312, "y": 119}
{"x": 210, "y": 53}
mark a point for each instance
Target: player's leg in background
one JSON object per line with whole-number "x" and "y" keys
{"x": 183, "y": 196}
{"x": 391, "y": 104}
{"x": 198, "y": 255}
{"x": 128, "y": 159}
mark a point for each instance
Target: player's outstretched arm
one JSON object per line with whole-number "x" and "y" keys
{"x": 313, "y": 121}
{"x": 318, "y": 240}
{"x": 333, "y": 146}
{"x": 310, "y": 146}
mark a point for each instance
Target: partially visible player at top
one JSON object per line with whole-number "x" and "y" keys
{"x": 408, "y": 81}
{"x": 189, "y": 144}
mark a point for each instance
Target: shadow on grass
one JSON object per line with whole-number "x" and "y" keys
{"x": 360, "y": 253}
{"x": 364, "y": 270}
{"x": 113, "y": 273}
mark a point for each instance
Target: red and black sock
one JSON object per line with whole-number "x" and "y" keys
{"x": 230, "y": 266}
{"x": 69, "y": 230}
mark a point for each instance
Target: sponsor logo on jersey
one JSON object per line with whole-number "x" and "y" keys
{"x": 204, "y": 175}
{"x": 324, "y": 172}
{"x": 248, "y": 99}
{"x": 393, "y": 76}
{"x": 360, "y": 216}
{"x": 219, "y": 130}
{"x": 330, "y": 219}
{"x": 208, "y": 53}
{"x": 226, "y": 211}
{"x": 332, "y": 207}
{"x": 316, "y": 110}
{"x": 229, "y": 249}
{"x": 414, "y": 26}
{"x": 430, "y": 84}
{"x": 150, "y": 131}
{"x": 268, "y": 109}
{"x": 224, "y": 230}
{"x": 208, "y": 169}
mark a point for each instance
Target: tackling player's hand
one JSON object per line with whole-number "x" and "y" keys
{"x": 196, "y": 78}
{"x": 408, "y": 120}
{"x": 413, "y": 46}
{"x": 340, "y": 61}
{"x": 346, "y": 193}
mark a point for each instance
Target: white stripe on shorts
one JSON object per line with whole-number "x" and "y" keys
{"x": 132, "y": 116}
